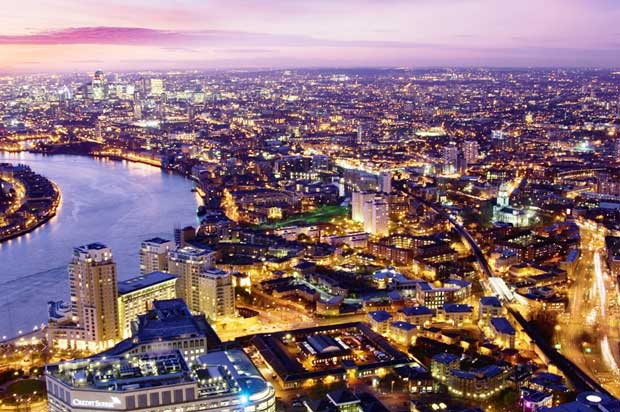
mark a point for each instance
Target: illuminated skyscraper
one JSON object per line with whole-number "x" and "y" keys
{"x": 98, "y": 86}
{"x": 93, "y": 287}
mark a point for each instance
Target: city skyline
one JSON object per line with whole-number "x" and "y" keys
{"x": 66, "y": 35}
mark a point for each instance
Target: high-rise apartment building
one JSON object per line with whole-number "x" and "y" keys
{"x": 217, "y": 294}
{"x": 93, "y": 287}
{"x": 450, "y": 158}
{"x": 358, "y": 202}
{"x": 188, "y": 263}
{"x": 471, "y": 151}
{"x": 376, "y": 216}
{"x": 154, "y": 255}
{"x": 385, "y": 182}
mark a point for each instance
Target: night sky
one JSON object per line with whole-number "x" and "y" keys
{"x": 69, "y": 35}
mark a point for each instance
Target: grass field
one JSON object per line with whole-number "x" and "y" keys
{"x": 320, "y": 215}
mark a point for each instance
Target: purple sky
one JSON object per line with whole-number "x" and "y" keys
{"x": 39, "y": 35}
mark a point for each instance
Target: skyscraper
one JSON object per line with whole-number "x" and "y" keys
{"x": 217, "y": 295}
{"x": 93, "y": 287}
{"x": 154, "y": 255}
{"x": 188, "y": 263}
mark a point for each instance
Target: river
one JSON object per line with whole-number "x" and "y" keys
{"x": 113, "y": 202}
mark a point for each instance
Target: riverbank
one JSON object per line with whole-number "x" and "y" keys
{"x": 46, "y": 203}
{"x": 118, "y": 203}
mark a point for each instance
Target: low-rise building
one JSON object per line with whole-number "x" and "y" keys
{"x": 503, "y": 332}
{"x": 158, "y": 382}
{"x": 380, "y": 321}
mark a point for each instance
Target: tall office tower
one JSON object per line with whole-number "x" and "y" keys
{"x": 217, "y": 294}
{"x": 154, "y": 255}
{"x": 385, "y": 182}
{"x": 358, "y": 201}
{"x": 98, "y": 86}
{"x": 450, "y": 158}
{"x": 188, "y": 263}
{"x": 376, "y": 216}
{"x": 157, "y": 87}
{"x": 92, "y": 282}
{"x": 471, "y": 151}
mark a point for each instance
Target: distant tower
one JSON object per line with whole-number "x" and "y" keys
{"x": 157, "y": 87}
{"x": 358, "y": 202}
{"x": 360, "y": 134}
{"x": 98, "y": 85}
{"x": 450, "y": 158}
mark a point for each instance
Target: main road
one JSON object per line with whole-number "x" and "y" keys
{"x": 588, "y": 332}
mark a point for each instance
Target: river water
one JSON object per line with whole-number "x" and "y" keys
{"x": 112, "y": 202}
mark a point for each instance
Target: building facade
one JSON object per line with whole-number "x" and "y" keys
{"x": 216, "y": 294}
{"x": 93, "y": 288}
{"x": 187, "y": 263}
{"x": 136, "y": 296}
{"x": 154, "y": 255}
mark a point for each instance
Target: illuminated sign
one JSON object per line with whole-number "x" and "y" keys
{"x": 113, "y": 403}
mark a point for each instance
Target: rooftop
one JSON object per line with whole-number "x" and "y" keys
{"x": 143, "y": 281}
{"x": 157, "y": 241}
{"x": 502, "y": 325}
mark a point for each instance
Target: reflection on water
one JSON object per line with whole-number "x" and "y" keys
{"x": 116, "y": 203}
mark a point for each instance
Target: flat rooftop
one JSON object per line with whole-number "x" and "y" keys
{"x": 308, "y": 353}
{"x": 216, "y": 373}
{"x": 143, "y": 281}
{"x": 120, "y": 373}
